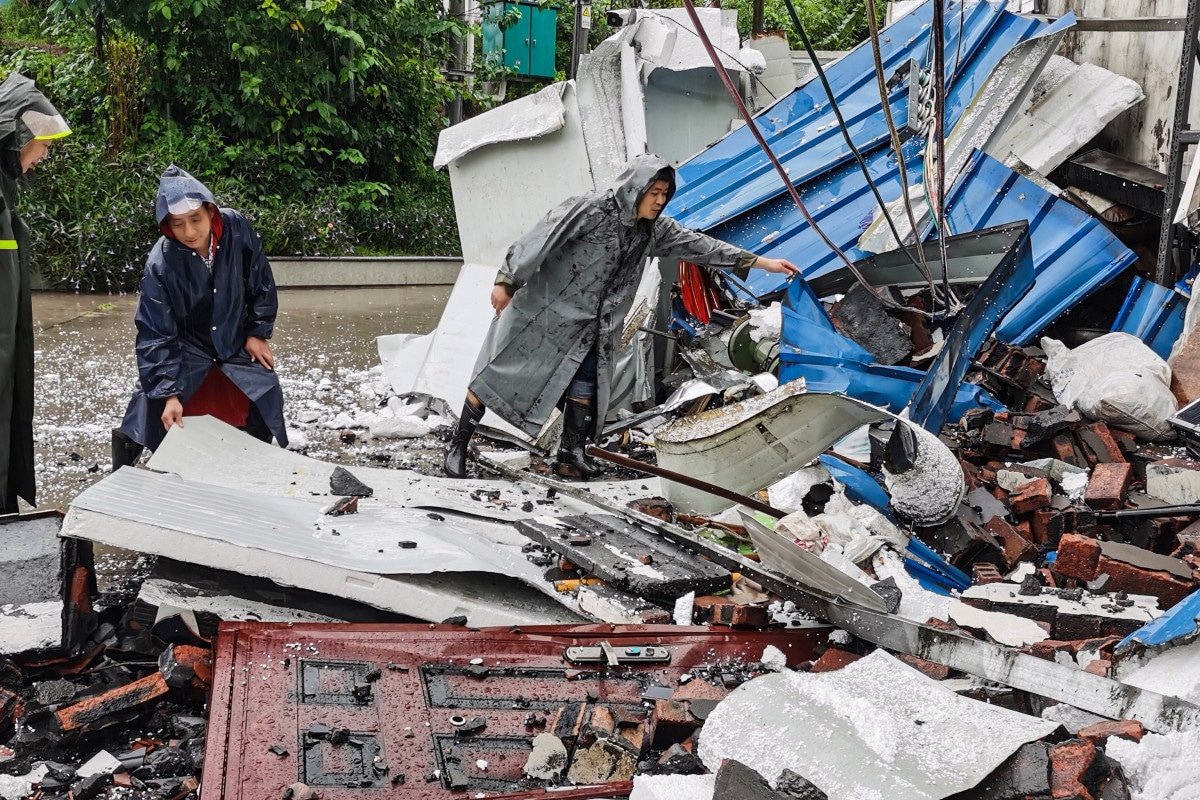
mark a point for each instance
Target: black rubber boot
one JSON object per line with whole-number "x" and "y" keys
{"x": 125, "y": 451}
{"x": 455, "y": 465}
{"x": 257, "y": 427}
{"x": 573, "y": 461}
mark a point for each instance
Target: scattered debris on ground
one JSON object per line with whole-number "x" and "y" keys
{"x": 879, "y": 532}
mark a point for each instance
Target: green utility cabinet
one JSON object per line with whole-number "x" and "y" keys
{"x": 528, "y": 46}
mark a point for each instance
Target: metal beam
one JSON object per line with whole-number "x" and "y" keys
{"x": 1123, "y": 24}
{"x": 1180, "y": 131}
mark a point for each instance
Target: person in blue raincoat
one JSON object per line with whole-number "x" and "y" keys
{"x": 28, "y": 123}
{"x": 205, "y": 315}
{"x": 561, "y": 299}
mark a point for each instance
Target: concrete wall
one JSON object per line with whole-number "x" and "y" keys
{"x": 1142, "y": 134}
{"x": 365, "y": 271}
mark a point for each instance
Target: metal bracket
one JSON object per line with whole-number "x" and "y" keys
{"x": 615, "y": 656}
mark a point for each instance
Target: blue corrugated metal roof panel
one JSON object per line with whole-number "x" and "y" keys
{"x": 1155, "y": 313}
{"x": 734, "y": 177}
{"x": 1073, "y": 253}
{"x": 1177, "y": 622}
{"x": 1010, "y": 281}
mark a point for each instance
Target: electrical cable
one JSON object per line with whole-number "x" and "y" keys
{"x": 939, "y": 127}
{"x": 962, "y": 10}
{"x": 791, "y": 189}
{"x": 873, "y": 29}
{"x": 837, "y": 112}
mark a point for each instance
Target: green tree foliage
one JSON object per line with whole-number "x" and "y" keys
{"x": 829, "y": 24}
{"x": 317, "y": 118}
{"x": 303, "y": 92}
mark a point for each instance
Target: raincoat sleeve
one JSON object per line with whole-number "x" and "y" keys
{"x": 262, "y": 300}
{"x": 560, "y": 225}
{"x": 159, "y": 356}
{"x": 674, "y": 241}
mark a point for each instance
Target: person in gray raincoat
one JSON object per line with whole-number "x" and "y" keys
{"x": 28, "y": 123}
{"x": 206, "y": 310}
{"x": 561, "y": 299}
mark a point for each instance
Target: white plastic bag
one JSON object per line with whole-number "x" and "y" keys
{"x": 1117, "y": 379}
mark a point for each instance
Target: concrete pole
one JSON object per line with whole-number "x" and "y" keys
{"x": 457, "y": 59}
{"x": 583, "y": 23}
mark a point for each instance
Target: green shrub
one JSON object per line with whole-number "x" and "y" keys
{"x": 92, "y": 213}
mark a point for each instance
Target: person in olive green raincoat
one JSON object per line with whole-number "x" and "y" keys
{"x": 28, "y": 123}
{"x": 561, "y": 299}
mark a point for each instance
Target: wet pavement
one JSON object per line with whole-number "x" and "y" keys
{"x": 325, "y": 353}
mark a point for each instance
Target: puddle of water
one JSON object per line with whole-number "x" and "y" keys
{"x": 85, "y": 373}
{"x": 86, "y": 370}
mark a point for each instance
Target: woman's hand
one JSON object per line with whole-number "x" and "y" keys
{"x": 776, "y": 265}
{"x": 500, "y": 298}
{"x": 260, "y": 350}
{"x": 173, "y": 413}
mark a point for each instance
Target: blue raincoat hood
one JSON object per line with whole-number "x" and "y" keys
{"x": 178, "y": 193}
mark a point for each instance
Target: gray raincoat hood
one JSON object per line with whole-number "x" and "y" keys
{"x": 25, "y": 115}
{"x": 178, "y": 193}
{"x": 630, "y": 186}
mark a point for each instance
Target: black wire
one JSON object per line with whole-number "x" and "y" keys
{"x": 812, "y": 54}
{"x": 939, "y": 128}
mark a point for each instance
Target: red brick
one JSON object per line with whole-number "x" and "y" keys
{"x": 1106, "y": 489}
{"x": 699, "y": 690}
{"x": 1015, "y": 547}
{"x": 1101, "y": 732}
{"x": 740, "y": 615}
{"x": 1048, "y": 578}
{"x": 1048, "y": 649}
{"x": 1100, "y": 666}
{"x": 1110, "y": 450}
{"x": 1064, "y": 450}
{"x": 1042, "y": 522}
{"x": 970, "y": 473}
{"x": 92, "y": 714}
{"x": 703, "y": 606}
{"x": 198, "y": 658}
{"x": 939, "y": 672}
{"x": 11, "y": 706}
{"x": 675, "y": 714}
{"x": 1030, "y": 497}
{"x": 1069, "y": 762}
{"x": 834, "y": 659}
{"x": 657, "y": 507}
{"x": 1126, "y": 441}
{"x": 1078, "y": 557}
{"x": 1127, "y": 578}
{"x": 985, "y": 572}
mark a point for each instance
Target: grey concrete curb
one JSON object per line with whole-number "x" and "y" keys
{"x": 350, "y": 271}
{"x": 365, "y": 271}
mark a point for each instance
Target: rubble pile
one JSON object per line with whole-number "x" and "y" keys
{"x": 870, "y": 533}
{"x": 124, "y": 717}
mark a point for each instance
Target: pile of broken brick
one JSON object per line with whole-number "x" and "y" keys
{"x": 1075, "y": 508}
{"x": 125, "y": 718}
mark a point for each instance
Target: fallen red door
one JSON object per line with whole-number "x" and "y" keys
{"x": 418, "y": 711}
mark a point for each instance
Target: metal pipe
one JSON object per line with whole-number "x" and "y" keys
{"x": 704, "y": 486}
{"x": 1150, "y": 513}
